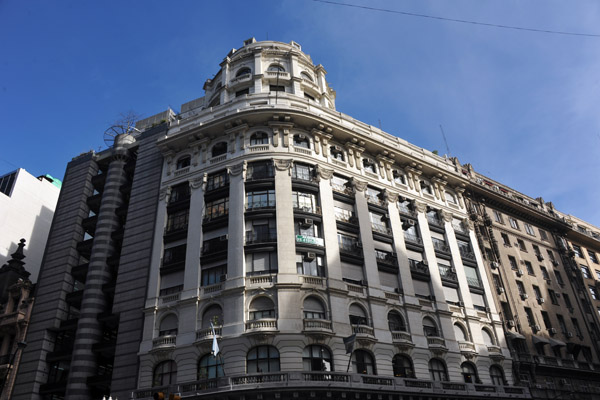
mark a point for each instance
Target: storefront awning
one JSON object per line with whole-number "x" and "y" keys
{"x": 540, "y": 340}
{"x": 514, "y": 336}
{"x": 556, "y": 343}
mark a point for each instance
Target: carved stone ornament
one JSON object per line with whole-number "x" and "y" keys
{"x": 164, "y": 193}
{"x": 235, "y": 170}
{"x": 325, "y": 173}
{"x": 468, "y": 223}
{"x": 282, "y": 165}
{"x": 198, "y": 182}
{"x": 420, "y": 207}
{"x": 446, "y": 216}
{"x": 359, "y": 186}
{"x": 391, "y": 197}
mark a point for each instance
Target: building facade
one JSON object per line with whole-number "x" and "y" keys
{"x": 16, "y": 302}
{"x": 27, "y": 205}
{"x": 262, "y": 245}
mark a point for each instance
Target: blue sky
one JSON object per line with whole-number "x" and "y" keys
{"x": 522, "y": 107}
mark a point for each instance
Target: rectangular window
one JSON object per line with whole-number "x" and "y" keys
{"x": 513, "y": 223}
{"x": 303, "y": 172}
{"x": 577, "y": 251}
{"x": 559, "y": 278}
{"x": 513, "y": 263}
{"x": 242, "y": 92}
{"x": 594, "y": 292}
{"x": 529, "y": 229}
{"x": 553, "y": 297}
{"x": 546, "y": 319}
{"x": 178, "y": 220}
{"x": 545, "y": 274}
{"x": 521, "y": 245}
{"x": 529, "y": 268}
{"x": 260, "y": 199}
{"x": 561, "y": 323}
{"x": 217, "y": 180}
{"x": 498, "y": 217}
{"x": 551, "y": 257}
{"x": 598, "y": 274}
{"x": 585, "y": 271}
{"x": 213, "y": 275}
{"x": 530, "y": 318}
{"x": 276, "y": 88}
{"x": 593, "y": 257}
{"x": 306, "y": 202}
{"x": 543, "y": 235}
{"x": 567, "y": 300}
{"x": 260, "y": 170}
{"x": 309, "y": 264}
{"x": 536, "y": 251}
{"x": 261, "y": 263}
{"x": 521, "y": 288}
{"x": 577, "y": 328}
{"x": 505, "y": 240}
{"x": 216, "y": 208}
{"x": 537, "y": 292}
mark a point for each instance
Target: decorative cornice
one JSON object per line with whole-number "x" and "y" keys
{"x": 324, "y": 173}
{"x": 282, "y": 165}
{"x": 420, "y": 207}
{"x": 359, "y": 186}
{"x": 235, "y": 170}
{"x": 446, "y": 216}
{"x": 391, "y": 197}
{"x": 198, "y": 182}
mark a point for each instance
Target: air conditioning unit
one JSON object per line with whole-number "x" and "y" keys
{"x": 407, "y": 223}
{"x": 519, "y": 272}
{"x": 307, "y": 222}
{"x": 511, "y": 323}
{"x": 500, "y": 290}
{"x": 569, "y": 334}
{"x": 524, "y": 296}
{"x": 223, "y": 237}
{"x": 540, "y": 257}
{"x": 548, "y": 281}
{"x": 555, "y": 263}
{"x": 552, "y": 331}
{"x": 494, "y": 265}
{"x": 310, "y": 256}
{"x": 399, "y": 291}
{"x": 541, "y": 300}
{"x": 223, "y": 278}
{"x": 537, "y": 328}
{"x": 461, "y": 303}
{"x": 487, "y": 309}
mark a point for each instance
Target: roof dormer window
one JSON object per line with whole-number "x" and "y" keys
{"x": 243, "y": 71}
{"x": 306, "y": 76}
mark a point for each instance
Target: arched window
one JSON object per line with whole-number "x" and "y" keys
{"x": 437, "y": 370}
{"x": 219, "y": 149}
{"x": 469, "y": 372}
{"x": 243, "y": 71}
{"x": 261, "y": 308}
{"x": 358, "y": 316}
{"x": 396, "y": 322}
{"x": 183, "y": 162}
{"x": 403, "y": 366}
{"x": 212, "y": 314}
{"x": 300, "y": 140}
{"x": 276, "y": 68}
{"x": 313, "y": 308}
{"x": 362, "y": 363}
{"x": 497, "y": 375}
{"x": 168, "y": 325}
{"x": 259, "y": 138}
{"x": 165, "y": 373}
{"x": 460, "y": 333}
{"x": 209, "y": 367}
{"x": 369, "y": 165}
{"x": 262, "y": 359}
{"x": 430, "y": 327}
{"x": 488, "y": 338}
{"x": 306, "y": 76}
{"x": 337, "y": 153}
{"x": 316, "y": 358}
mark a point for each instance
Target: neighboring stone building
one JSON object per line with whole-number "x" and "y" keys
{"x": 16, "y": 301}
{"x": 324, "y": 257}
{"x": 27, "y": 205}
{"x": 546, "y": 315}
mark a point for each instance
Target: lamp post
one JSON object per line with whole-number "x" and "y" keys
{"x": 20, "y": 346}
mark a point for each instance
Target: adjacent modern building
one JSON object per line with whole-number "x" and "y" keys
{"x": 262, "y": 245}
{"x": 27, "y": 205}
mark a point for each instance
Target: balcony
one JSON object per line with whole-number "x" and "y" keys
{"x": 402, "y": 338}
{"x": 419, "y": 267}
{"x": 343, "y": 189}
{"x": 308, "y": 209}
{"x": 262, "y": 325}
{"x": 163, "y": 342}
{"x": 89, "y": 224}
{"x": 381, "y": 229}
{"x": 353, "y": 248}
{"x": 260, "y": 205}
{"x": 317, "y": 326}
{"x": 436, "y": 343}
{"x": 207, "y": 333}
{"x": 364, "y": 333}
{"x": 467, "y": 349}
{"x": 448, "y": 274}
{"x": 375, "y": 200}
{"x": 79, "y": 272}
{"x": 467, "y": 254}
{"x": 85, "y": 247}
{"x": 98, "y": 181}
{"x": 414, "y": 239}
{"x": 261, "y": 237}
{"x": 440, "y": 246}
{"x": 175, "y": 232}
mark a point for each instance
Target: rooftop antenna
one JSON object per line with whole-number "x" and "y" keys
{"x": 445, "y": 141}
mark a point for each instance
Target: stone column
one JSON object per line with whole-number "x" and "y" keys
{"x": 237, "y": 229}
{"x": 366, "y": 236}
{"x": 94, "y": 302}
{"x": 157, "y": 248}
{"x": 191, "y": 280}
{"x": 334, "y": 270}
{"x": 286, "y": 239}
